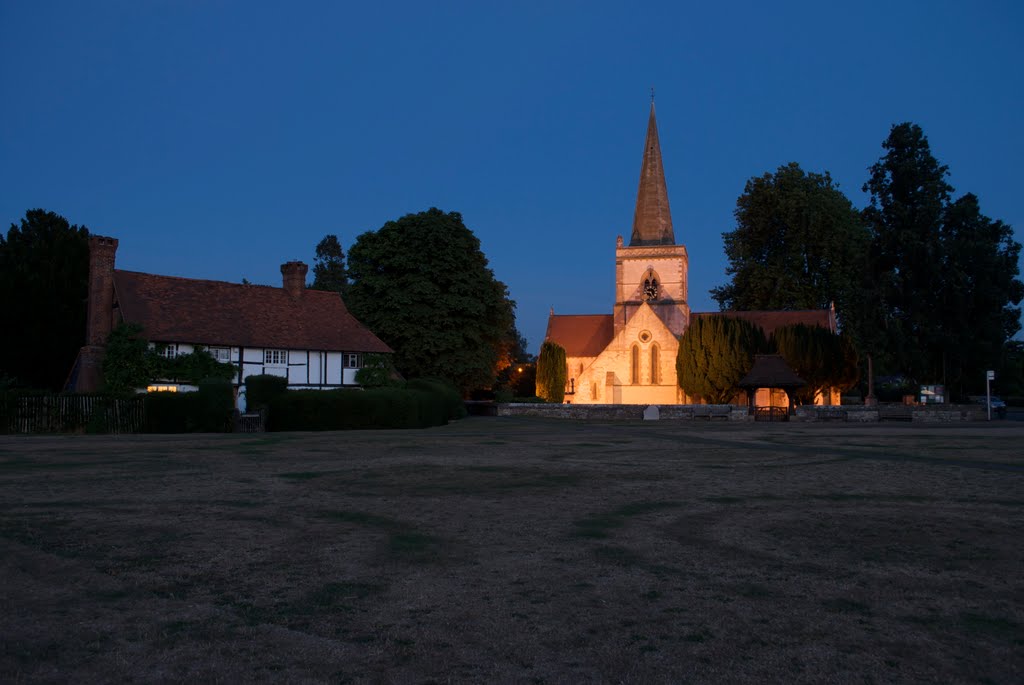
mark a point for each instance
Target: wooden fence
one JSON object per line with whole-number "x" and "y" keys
{"x": 71, "y": 414}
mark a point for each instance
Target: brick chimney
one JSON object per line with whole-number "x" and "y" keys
{"x": 293, "y": 276}
{"x": 100, "y": 317}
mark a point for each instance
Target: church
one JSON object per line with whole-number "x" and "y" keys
{"x": 629, "y": 356}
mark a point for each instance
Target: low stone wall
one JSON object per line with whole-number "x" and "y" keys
{"x": 949, "y": 413}
{"x": 627, "y": 412}
{"x": 724, "y": 412}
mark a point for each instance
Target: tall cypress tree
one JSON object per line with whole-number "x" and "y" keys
{"x": 715, "y": 353}
{"x": 551, "y": 372}
{"x": 909, "y": 194}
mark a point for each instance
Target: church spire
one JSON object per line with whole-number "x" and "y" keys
{"x": 652, "y": 221}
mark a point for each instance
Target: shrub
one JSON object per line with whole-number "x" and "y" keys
{"x": 171, "y": 412}
{"x": 207, "y": 411}
{"x": 215, "y": 403}
{"x": 262, "y": 389}
{"x": 551, "y": 372}
{"x": 446, "y": 393}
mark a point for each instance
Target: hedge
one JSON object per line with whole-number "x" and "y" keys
{"x": 206, "y": 411}
{"x": 419, "y": 404}
{"x": 260, "y": 390}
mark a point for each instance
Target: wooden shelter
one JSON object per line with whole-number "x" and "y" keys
{"x": 770, "y": 371}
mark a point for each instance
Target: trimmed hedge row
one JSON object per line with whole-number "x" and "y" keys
{"x": 419, "y": 404}
{"x": 205, "y": 411}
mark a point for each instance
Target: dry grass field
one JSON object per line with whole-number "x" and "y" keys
{"x": 507, "y": 550}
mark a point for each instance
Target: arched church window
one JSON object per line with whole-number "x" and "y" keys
{"x": 655, "y": 361}
{"x": 634, "y": 365}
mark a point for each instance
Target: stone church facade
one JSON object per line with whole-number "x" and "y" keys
{"x": 629, "y": 356}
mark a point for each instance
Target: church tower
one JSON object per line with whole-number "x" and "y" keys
{"x": 652, "y": 269}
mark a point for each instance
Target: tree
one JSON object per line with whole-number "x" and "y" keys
{"x": 44, "y": 277}
{"x": 515, "y": 365}
{"x": 422, "y": 284}
{"x": 715, "y": 353}
{"x": 130, "y": 363}
{"x": 1009, "y": 372}
{"x": 551, "y": 372}
{"x": 909, "y": 194}
{"x": 329, "y": 268}
{"x": 798, "y": 244}
{"x": 823, "y": 359}
{"x": 376, "y": 371}
{"x": 978, "y": 294}
{"x": 943, "y": 276}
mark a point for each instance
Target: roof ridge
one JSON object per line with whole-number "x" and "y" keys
{"x": 198, "y": 280}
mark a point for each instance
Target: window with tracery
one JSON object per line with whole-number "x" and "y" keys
{"x": 655, "y": 372}
{"x": 634, "y": 366}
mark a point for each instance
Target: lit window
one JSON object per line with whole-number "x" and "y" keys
{"x": 161, "y": 388}
{"x": 275, "y": 357}
{"x": 353, "y": 361}
{"x": 655, "y": 368}
{"x": 221, "y": 354}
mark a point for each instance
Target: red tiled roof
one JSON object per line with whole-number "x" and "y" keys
{"x": 770, "y": 320}
{"x": 771, "y": 371}
{"x": 582, "y": 335}
{"x": 186, "y": 310}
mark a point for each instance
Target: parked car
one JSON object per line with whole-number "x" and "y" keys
{"x": 998, "y": 406}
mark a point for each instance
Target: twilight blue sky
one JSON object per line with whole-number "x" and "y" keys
{"x": 219, "y": 139}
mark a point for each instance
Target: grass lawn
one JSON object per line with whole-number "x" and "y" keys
{"x": 516, "y": 550}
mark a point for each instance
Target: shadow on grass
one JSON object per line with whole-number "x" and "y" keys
{"x": 599, "y": 525}
{"x": 405, "y": 542}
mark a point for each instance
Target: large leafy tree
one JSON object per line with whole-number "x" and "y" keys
{"x": 423, "y": 285}
{"x": 329, "y": 271}
{"x": 943, "y": 276}
{"x": 715, "y": 353}
{"x": 44, "y": 276}
{"x": 798, "y": 244}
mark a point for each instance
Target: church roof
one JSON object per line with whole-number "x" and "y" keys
{"x": 771, "y": 371}
{"x": 769, "y": 320}
{"x": 652, "y": 220}
{"x": 581, "y": 335}
{"x": 188, "y": 310}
